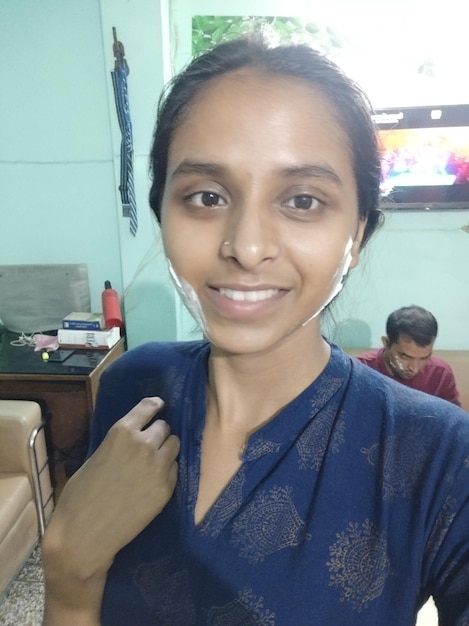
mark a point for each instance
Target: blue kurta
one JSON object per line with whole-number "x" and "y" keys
{"x": 350, "y": 508}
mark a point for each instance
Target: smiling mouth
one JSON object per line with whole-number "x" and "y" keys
{"x": 249, "y": 296}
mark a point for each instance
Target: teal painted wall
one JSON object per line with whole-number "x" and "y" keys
{"x": 56, "y": 166}
{"x": 59, "y": 160}
{"x": 60, "y": 144}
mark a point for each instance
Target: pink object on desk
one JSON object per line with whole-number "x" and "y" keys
{"x": 45, "y": 342}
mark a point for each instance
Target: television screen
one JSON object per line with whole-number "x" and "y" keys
{"x": 424, "y": 157}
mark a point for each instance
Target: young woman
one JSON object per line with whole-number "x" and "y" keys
{"x": 262, "y": 476}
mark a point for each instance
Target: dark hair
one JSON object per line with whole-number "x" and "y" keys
{"x": 415, "y": 322}
{"x": 350, "y": 103}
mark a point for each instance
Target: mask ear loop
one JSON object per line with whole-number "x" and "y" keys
{"x": 191, "y": 301}
{"x": 337, "y": 287}
{"x": 189, "y": 297}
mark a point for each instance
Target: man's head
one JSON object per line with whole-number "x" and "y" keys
{"x": 410, "y": 334}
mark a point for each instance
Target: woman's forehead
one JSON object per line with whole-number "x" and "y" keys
{"x": 265, "y": 88}
{"x": 262, "y": 118}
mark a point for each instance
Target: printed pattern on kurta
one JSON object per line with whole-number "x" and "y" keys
{"x": 356, "y": 494}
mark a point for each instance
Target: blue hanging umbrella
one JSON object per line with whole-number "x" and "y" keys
{"x": 121, "y": 97}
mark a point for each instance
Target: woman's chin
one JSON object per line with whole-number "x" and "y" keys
{"x": 260, "y": 341}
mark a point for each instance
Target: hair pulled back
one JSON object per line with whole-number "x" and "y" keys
{"x": 353, "y": 110}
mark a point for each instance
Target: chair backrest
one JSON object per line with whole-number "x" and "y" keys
{"x": 35, "y": 298}
{"x": 16, "y": 424}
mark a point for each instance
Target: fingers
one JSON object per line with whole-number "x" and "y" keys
{"x": 169, "y": 449}
{"x": 172, "y": 475}
{"x": 142, "y": 413}
{"x": 158, "y": 433}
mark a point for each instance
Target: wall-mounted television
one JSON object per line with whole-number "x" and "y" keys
{"x": 424, "y": 157}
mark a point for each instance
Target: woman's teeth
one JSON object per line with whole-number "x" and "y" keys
{"x": 249, "y": 296}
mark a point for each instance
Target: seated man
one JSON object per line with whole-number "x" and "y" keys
{"x": 407, "y": 357}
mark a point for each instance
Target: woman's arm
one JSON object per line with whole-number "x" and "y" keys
{"x": 110, "y": 500}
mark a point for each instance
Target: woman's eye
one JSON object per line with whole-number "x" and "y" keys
{"x": 303, "y": 202}
{"x": 206, "y": 199}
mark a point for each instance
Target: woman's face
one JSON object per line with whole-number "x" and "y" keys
{"x": 259, "y": 214}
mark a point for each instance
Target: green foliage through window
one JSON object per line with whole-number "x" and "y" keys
{"x": 209, "y": 30}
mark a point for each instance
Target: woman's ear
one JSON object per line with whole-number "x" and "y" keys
{"x": 357, "y": 242}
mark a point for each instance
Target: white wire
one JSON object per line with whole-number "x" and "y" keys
{"x": 25, "y": 340}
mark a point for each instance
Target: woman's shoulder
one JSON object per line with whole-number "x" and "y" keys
{"x": 151, "y": 355}
{"x": 164, "y": 369}
{"x": 422, "y": 440}
{"x": 152, "y": 368}
{"x": 407, "y": 408}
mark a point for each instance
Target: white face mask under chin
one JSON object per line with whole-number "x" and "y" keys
{"x": 338, "y": 283}
{"x": 192, "y": 302}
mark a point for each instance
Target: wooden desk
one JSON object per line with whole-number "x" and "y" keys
{"x": 66, "y": 392}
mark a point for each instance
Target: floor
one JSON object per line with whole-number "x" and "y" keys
{"x": 23, "y": 604}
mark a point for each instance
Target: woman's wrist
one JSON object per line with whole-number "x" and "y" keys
{"x": 73, "y": 588}
{"x": 73, "y": 601}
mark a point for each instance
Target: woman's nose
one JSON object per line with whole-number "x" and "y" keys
{"x": 250, "y": 238}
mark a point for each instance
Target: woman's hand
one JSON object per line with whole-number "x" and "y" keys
{"x": 106, "y": 503}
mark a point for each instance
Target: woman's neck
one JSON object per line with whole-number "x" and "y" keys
{"x": 246, "y": 391}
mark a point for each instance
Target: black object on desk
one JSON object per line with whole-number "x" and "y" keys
{"x": 16, "y": 359}
{"x": 58, "y": 355}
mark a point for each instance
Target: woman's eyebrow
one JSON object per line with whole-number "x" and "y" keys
{"x": 312, "y": 171}
{"x": 188, "y": 167}
{"x": 194, "y": 167}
